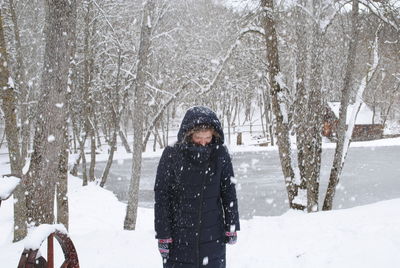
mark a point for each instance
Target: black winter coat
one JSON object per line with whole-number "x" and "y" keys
{"x": 195, "y": 200}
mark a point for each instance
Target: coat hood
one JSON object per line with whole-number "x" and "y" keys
{"x": 200, "y": 115}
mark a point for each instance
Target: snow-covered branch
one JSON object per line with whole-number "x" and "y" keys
{"x": 253, "y": 29}
{"x": 377, "y": 11}
{"x": 228, "y": 54}
{"x": 164, "y": 106}
{"x": 109, "y": 23}
{"x": 167, "y": 33}
{"x": 163, "y": 10}
{"x": 220, "y": 68}
{"x": 159, "y": 90}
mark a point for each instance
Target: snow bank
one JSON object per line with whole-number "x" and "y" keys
{"x": 367, "y": 236}
{"x": 7, "y": 186}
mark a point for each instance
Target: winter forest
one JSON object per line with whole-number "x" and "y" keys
{"x": 307, "y": 92}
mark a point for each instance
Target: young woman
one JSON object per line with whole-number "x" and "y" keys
{"x": 196, "y": 211}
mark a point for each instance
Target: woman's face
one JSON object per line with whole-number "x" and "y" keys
{"x": 202, "y": 137}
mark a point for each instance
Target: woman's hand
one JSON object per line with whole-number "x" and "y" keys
{"x": 164, "y": 246}
{"x": 230, "y": 238}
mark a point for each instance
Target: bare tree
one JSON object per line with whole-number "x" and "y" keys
{"x": 22, "y": 84}
{"x": 300, "y": 103}
{"x": 385, "y": 11}
{"x": 11, "y": 130}
{"x": 138, "y": 107}
{"x": 115, "y": 119}
{"x": 62, "y": 182}
{"x": 312, "y": 137}
{"x": 345, "y": 129}
{"x": 278, "y": 102}
{"x": 344, "y": 102}
{"x": 90, "y": 131}
{"x": 51, "y": 124}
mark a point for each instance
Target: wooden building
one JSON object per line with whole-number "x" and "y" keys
{"x": 366, "y": 126}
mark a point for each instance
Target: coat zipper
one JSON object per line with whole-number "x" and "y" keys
{"x": 201, "y": 206}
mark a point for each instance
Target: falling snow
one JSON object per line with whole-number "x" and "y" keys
{"x": 51, "y": 138}
{"x": 205, "y": 261}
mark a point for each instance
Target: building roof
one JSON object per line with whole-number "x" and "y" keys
{"x": 364, "y": 116}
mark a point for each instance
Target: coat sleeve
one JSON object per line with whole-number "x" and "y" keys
{"x": 162, "y": 194}
{"x": 228, "y": 194}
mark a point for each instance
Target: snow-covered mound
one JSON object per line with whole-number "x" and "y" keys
{"x": 7, "y": 186}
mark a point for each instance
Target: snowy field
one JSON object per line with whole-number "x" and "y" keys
{"x": 363, "y": 236}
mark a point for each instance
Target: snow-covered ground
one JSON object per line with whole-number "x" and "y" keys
{"x": 367, "y": 236}
{"x": 364, "y": 236}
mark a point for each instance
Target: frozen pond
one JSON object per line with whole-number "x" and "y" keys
{"x": 371, "y": 174}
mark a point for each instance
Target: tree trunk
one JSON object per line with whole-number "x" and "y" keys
{"x": 301, "y": 109}
{"x": 89, "y": 105}
{"x": 75, "y": 131}
{"x": 261, "y": 105}
{"x": 144, "y": 53}
{"x": 236, "y": 113}
{"x": 124, "y": 141}
{"x": 344, "y": 102}
{"x": 2, "y": 139}
{"x": 9, "y": 107}
{"x": 155, "y": 140}
{"x": 282, "y": 128}
{"x": 92, "y": 154}
{"x": 83, "y": 158}
{"x": 166, "y": 141}
{"x": 51, "y": 122}
{"x": 116, "y": 118}
{"x": 267, "y": 108}
{"x": 62, "y": 185}
{"x": 72, "y": 81}
{"x": 22, "y": 86}
{"x": 8, "y": 96}
{"x": 74, "y": 169}
{"x": 96, "y": 131}
{"x": 164, "y": 130}
{"x": 313, "y": 138}
{"x": 107, "y": 168}
{"x": 391, "y": 102}
{"x": 228, "y": 120}
{"x": 159, "y": 140}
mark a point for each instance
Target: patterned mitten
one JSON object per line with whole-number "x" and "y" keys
{"x": 230, "y": 238}
{"x": 163, "y": 247}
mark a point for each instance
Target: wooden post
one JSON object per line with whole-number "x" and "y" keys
{"x": 50, "y": 251}
{"x": 239, "y": 139}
